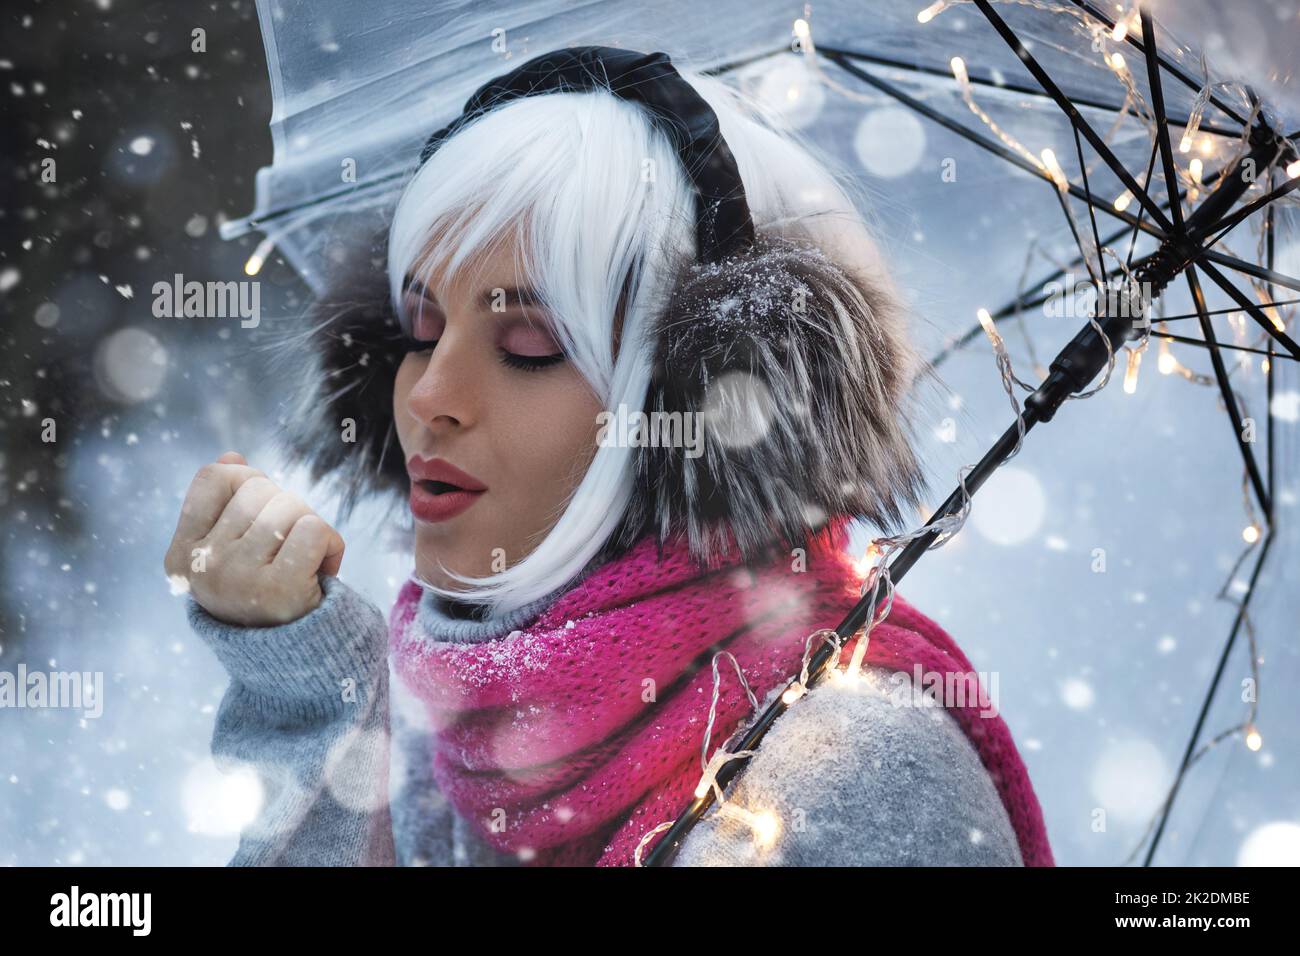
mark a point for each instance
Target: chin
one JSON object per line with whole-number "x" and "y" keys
{"x": 440, "y": 547}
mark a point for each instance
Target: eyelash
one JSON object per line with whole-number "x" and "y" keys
{"x": 525, "y": 363}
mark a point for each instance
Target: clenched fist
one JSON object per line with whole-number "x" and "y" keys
{"x": 249, "y": 551}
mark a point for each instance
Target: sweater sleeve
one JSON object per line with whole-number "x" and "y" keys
{"x": 853, "y": 776}
{"x": 307, "y": 711}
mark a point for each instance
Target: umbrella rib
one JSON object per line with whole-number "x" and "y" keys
{"x": 1192, "y": 315}
{"x": 994, "y": 85}
{"x": 1267, "y": 503}
{"x": 1162, "y": 125}
{"x": 1151, "y": 165}
{"x": 996, "y": 148}
{"x": 1200, "y": 343}
{"x": 1250, "y": 308}
{"x": 1171, "y": 67}
{"x": 1078, "y": 240}
{"x": 749, "y": 61}
{"x": 1220, "y": 373}
{"x": 1251, "y": 269}
{"x": 1025, "y": 301}
{"x": 1228, "y": 223}
{"x": 1269, "y": 233}
{"x": 1209, "y": 697}
{"x": 1062, "y": 101}
{"x": 1092, "y": 213}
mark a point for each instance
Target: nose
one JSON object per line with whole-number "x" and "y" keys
{"x": 445, "y": 395}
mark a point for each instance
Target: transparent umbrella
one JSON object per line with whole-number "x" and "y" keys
{"x": 1058, "y": 179}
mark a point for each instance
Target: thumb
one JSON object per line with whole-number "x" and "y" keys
{"x": 232, "y": 458}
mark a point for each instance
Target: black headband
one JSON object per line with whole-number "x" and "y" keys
{"x": 723, "y": 224}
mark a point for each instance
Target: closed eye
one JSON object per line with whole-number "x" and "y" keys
{"x": 530, "y": 363}
{"x": 524, "y": 363}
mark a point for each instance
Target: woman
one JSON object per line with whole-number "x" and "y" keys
{"x": 598, "y": 233}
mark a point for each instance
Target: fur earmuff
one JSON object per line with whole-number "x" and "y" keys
{"x": 795, "y": 372}
{"x": 344, "y": 364}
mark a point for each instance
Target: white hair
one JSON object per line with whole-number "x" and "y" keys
{"x": 601, "y": 213}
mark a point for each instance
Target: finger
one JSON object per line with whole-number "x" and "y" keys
{"x": 209, "y": 493}
{"x": 243, "y": 508}
{"x": 269, "y": 530}
{"x": 232, "y": 458}
{"x": 310, "y": 540}
{"x": 333, "y": 559}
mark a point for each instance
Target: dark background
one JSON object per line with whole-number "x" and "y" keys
{"x": 155, "y": 145}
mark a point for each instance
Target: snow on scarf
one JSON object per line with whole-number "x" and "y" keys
{"x": 567, "y": 741}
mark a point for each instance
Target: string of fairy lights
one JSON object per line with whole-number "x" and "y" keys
{"x": 764, "y": 824}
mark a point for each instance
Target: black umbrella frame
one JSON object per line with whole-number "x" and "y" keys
{"x": 1186, "y": 247}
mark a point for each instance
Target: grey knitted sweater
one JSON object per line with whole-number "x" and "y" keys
{"x": 855, "y": 778}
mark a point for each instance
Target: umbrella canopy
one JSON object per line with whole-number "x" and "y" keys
{"x": 1001, "y": 145}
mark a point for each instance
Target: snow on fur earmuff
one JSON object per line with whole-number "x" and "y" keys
{"x": 796, "y": 382}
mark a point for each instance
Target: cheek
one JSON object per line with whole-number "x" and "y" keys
{"x": 578, "y": 433}
{"x": 555, "y": 430}
{"x": 407, "y": 376}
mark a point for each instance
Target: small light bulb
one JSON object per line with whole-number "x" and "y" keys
{"x": 1054, "y": 169}
{"x": 865, "y": 563}
{"x": 1119, "y": 32}
{"x": 1253, "y": 740}
{"x": 1195, "y": 168}
{"x": 766, "y": 827}
{"x": 932, "y": 11}
{"x": 1293, "y": 170}
{"x": 1185, "y": 144}
{"x": 1122, "y": 201}
{"x": 1131, "y": 372}
{"x": 801, "y": 29}
{"x": 1250, "y": 534}
{"x": 1166, "y": 362}
{"x": 1117, "y": 62}
{"x": 254, "y": 264}
{"x": 959, "y": 70}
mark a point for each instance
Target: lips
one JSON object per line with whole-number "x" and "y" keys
{"x": 440, "y": 490}
{"x": 439, "y": 469}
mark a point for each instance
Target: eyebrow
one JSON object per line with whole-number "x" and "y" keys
{"x": 521, "y": 296}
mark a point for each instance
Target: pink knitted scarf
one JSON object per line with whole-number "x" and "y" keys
{"x": 567, "y": 741}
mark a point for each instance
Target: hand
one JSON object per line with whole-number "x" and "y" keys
{"x": 248, "y": 551}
